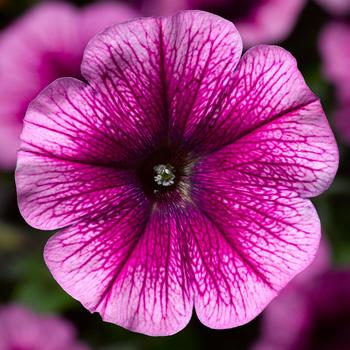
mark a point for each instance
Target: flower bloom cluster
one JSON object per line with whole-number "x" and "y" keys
{"x": 45, "y": 44}
{"x": 21, "y": 329}
{"x": 179, "y": 172}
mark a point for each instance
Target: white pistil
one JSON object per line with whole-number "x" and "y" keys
{"x": 164, "y": 175}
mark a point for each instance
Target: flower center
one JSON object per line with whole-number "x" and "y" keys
{"x": 164, "y": 175}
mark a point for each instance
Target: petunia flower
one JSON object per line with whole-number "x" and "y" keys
{"x": 335, "y": 52}
{"x": 258, "y": 21}
{"x": 43, "y": 45}
{"x": 337, "y": 7}
{"x": 179, "y": 174}
{"x": 20, "y": 328}
{"x": 314, "y": 311}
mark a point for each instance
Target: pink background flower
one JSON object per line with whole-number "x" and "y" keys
{"x": 258, "y": 21}
{"x": 246, "y": 144}
{"x": 45, "y": 44}
{"x": 311, "y": 313}
{"x": 335, "y": 51}
{"x": 338, "y": 7}
{"x": 20, "y": 329}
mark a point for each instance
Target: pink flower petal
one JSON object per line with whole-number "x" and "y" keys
{"x": 70, "y": 121}
{"x": 66, "y": 142}
{"x": 172, "y": 71}
{"x": 127, "y": 267}
{"x": 265, "y": 86}
{"x": 253, "y": 240}
{"x": 295, "y": 151}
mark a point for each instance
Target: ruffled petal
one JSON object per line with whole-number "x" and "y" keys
{"x": 247, "y": 244}
{"x": 165, "y": 72}
{"x": 53, "y": 193}
{"x": 128, "y": 265}
{"x": 295, "y": 151}
{"x": 70, "y": 121}
{"x": 70, "y": 147}
{"x": 266, "y": 85}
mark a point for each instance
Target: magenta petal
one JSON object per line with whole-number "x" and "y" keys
{"x": 128, "y": 267}
{"x": 250, "y": 241}
{"x": 56, "y": 192}
{"x": 265, "y": 86}
{"x": 165, "y": 71}
{"x": 68, "y": 137}
{"x": 295, "y": 151}
{"x": 69, "y": 121}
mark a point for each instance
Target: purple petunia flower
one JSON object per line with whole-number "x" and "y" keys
{"x": 21, "y": 329}
{"x": 45, "y": 44}
{"x": 338, "y": 7}
{"x": 335, "y": 52}
{"x": 313, "y": 312}
{"x": 258, "y": 21}
{"x": 180, "y": 174}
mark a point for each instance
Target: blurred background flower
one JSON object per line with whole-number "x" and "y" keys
{"x": 337, "y": 7}
{"x": 258, "y": 21}
{"x": 44, "y": 44}
{"x": 313, "y": 312}
{"x": 21, "y": 329}
{"x": 316, "y": 32}
{"x": 335, "y": 52}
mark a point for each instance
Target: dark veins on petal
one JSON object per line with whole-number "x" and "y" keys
{"x": 232, "y": 9}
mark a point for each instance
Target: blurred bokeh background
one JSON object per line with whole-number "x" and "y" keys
{"x": 316, "y": 32}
